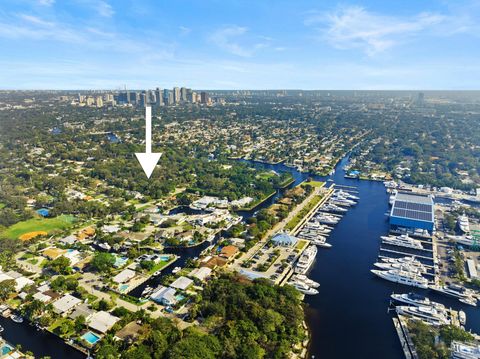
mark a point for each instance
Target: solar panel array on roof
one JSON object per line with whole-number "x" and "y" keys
{"x": 422, "y": 216}
{"x": 414, "y": 207}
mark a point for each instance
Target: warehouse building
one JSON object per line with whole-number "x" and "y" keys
{"x": 412, "y": 211}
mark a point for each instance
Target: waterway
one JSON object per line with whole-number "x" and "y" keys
{"x": 38, "y": 342}
{"x": 348, "y": 318}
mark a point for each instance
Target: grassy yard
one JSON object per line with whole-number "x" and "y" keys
{"x": 313, "y": 183}
{"x": 39, "y": 224}
{"x": 296, "y": 220}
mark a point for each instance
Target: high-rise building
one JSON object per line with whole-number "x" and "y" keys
{"x": 183, "y": 94}
{"x": 176, "y": 94}
{"x": 99, "y": 101}
{"x": 159, "y": 97}
{"x": 191, "y": 96}
{"x": 143, "y": 99}
{"x": 171, "y": 98}
{"x": 132, "y": 97}
{"x": 204, "y": 98}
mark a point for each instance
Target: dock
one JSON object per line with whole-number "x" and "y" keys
{"x": 408, "y": 347}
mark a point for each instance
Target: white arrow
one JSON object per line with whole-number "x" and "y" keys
{"x": 148, "y": 160}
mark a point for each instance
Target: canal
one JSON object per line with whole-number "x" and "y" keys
{"x": 348, "y": 318}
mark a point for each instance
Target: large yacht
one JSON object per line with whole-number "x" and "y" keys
{"x": 403, "y": 260}
{"x": 464, "y": 240}
{"x": 463, "y": 294}
{"x": 401, "y": 266}
{"x": 305, "y": 289}
{"x": 463, "y": 223}
{"x": 402, "y": 277}
{"x": 402, "y": 241}
{"x": 306, "y": 260}
{"x": 347, "y": 195}
{"x": 326, "y": 218}
{"x": 303, "y": 278}
{"x": 427, "y": 314}
{"x": 416, "y": 300}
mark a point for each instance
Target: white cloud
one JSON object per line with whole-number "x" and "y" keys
{"x": 354, "y": 27}
{"x": 46, "y": 2}
{"x": 104, "y": 9}
{"x": 36, "y": 20}
{"x": 225, "y": 39}
{"x": 184, "y": 30}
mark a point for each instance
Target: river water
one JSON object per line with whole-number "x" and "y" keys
{"x": 348, "y": 318}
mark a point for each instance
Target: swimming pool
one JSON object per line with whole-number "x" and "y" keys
{"x": 5, "y": 349}
{"x": 164, "y": 257}
{"x": 123, "y": 288}
{"x": 91, "y": 338}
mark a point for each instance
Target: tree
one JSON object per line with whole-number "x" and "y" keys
{"x": 7, "y": 287}
{"x": 103, "y": 262}
{"x": 60, "y": 265}
{"x": 79, "y": 323}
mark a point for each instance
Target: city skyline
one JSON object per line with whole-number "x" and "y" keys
{"x": 87, "y": 44}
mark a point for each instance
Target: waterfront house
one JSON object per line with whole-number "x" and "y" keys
{"x": 124, "y": 276}
{"x": 182, "y": 283}
{"x": 82, "y": 310}
{"x": 130, "y": 332}
{"x": 228, "y": 252}
{"x": 65, "y": 304}
{"x": 102, "y": 321}
{"x": 164, "y": 295}
{"x": 201, "y": 273}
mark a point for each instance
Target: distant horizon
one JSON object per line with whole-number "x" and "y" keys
{"x": 233, "y": 89}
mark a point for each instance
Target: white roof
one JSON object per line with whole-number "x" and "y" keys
{"x": 102, "y": 321}
{"x": 164, "y": 294}
{"x": 181, "y": 283}
{"x": 22, "y": 282}
{"x": 69, "y": 239}
{"x": 66, "y": 303}
{"x": 42, "y": 297}
{"x": 124, "y": 276}
{"x": 201, "y": 273}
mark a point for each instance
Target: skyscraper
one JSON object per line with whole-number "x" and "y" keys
{"x": 176, "y": 94}
{"x": 204, "y": 98}
{"x": 183, "y": 94}
{"x": 159, "y": 96}
{"x": 143, "y": 99}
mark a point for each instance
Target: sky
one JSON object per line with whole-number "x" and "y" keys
{"x": 240, "y": 44}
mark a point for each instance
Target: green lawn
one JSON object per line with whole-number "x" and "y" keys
{"x": 303, "y": 212}
{"x": 2, "y": 205}
{"x": 39, "y": 224}
{"x": 313, "y": 183}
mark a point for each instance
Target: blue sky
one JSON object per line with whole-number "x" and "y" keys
{"x": 222, "y": 44}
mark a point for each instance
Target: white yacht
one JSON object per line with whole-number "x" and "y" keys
{"x": 463, "y": 294}
{"x": 464, "y": 240}
{"x": 342, "y": 201}
{"x": 402, "y": 277}
{"x": 321, "y": 243}
{"x": 330, "y": 207}
{"x": 403, "y": 260}
{"x": 390, "y": 184}
{"x": 402, "y": 241}
{"x": 327, "y": 218}
{"x": 416, "y": 300}
{"x": 347, "y": 195}
{"x": 303, "y": 278}
{"x": 464, "y": 351}
{"x": 427, "y": 314}
{"x": 463, "y": 223}
{"x": 305, "y": 289}
{"x": 401, "y": 266}
{"x": 306, "y": 260}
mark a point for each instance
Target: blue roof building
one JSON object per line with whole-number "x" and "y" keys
{"x": 43, "y": 212}
{"x": 413, "y": 211}
{"x": 284, "y": 239}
